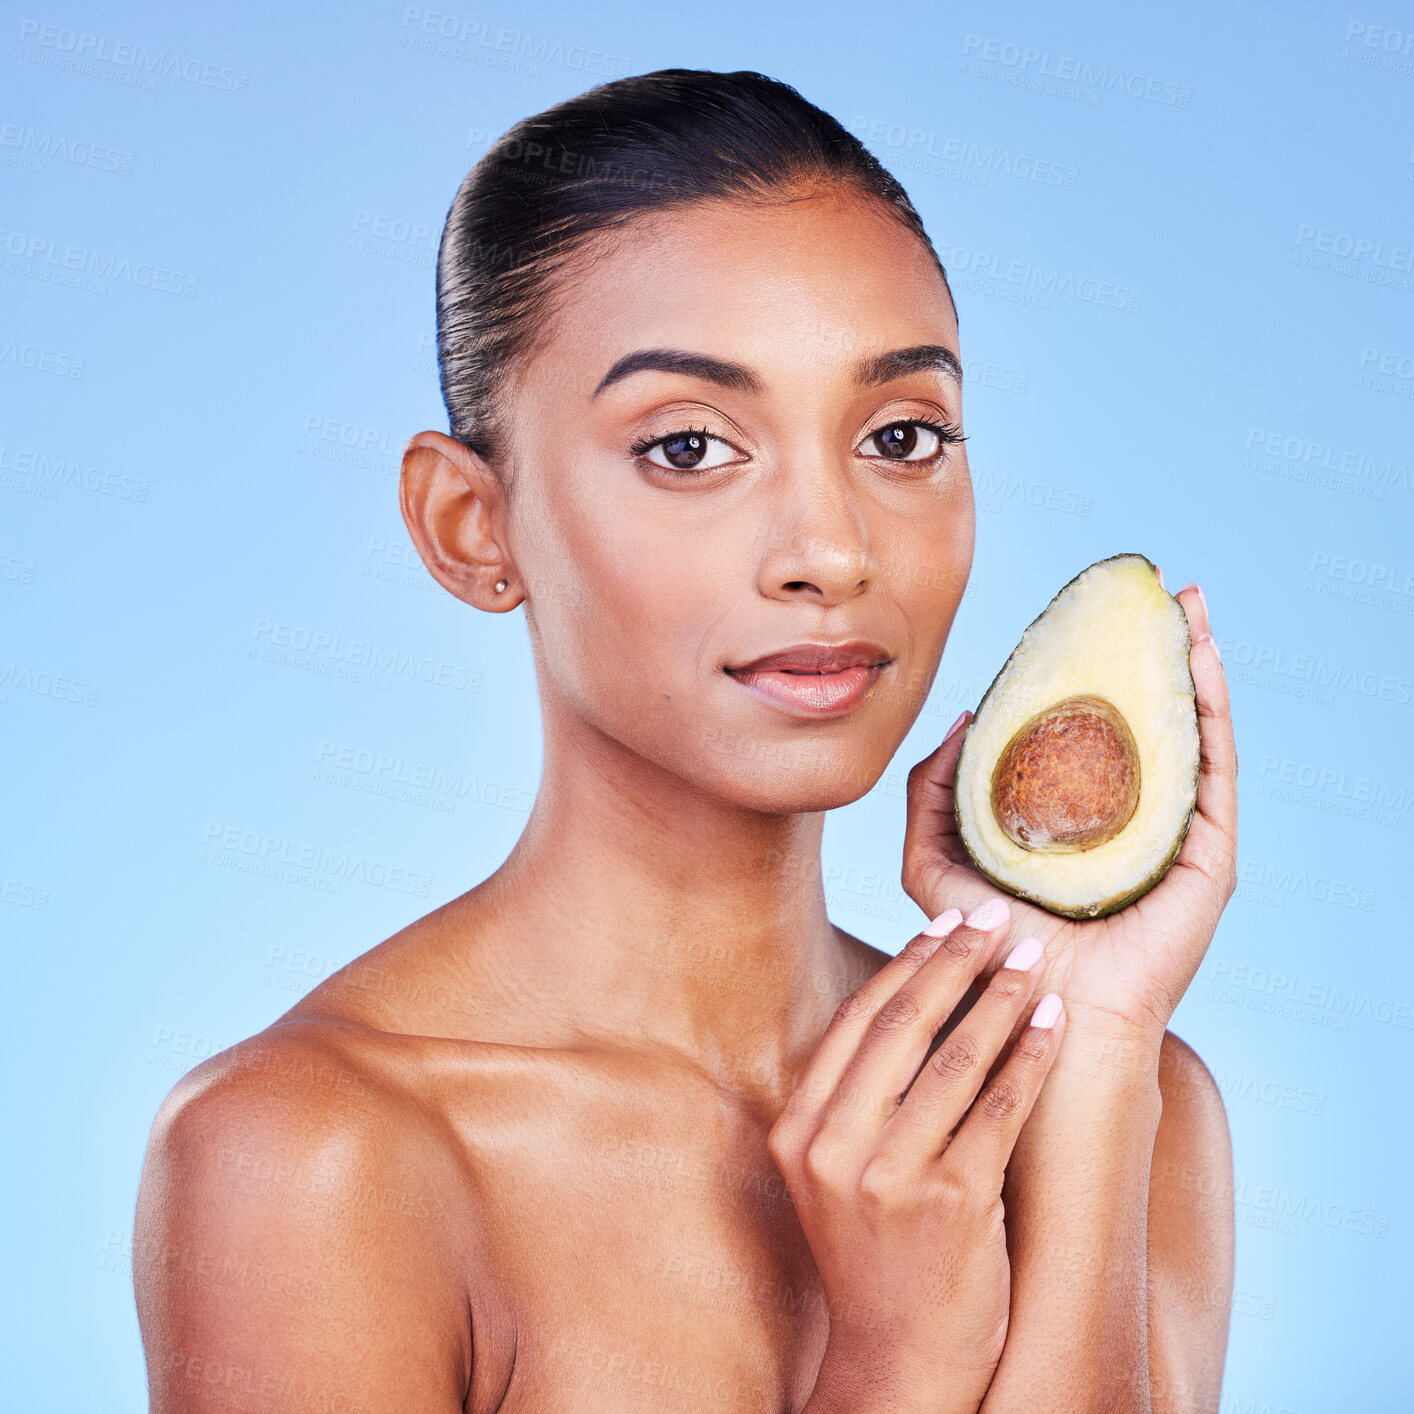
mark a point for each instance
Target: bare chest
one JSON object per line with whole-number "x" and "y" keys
{"x": 635, "y": 1267}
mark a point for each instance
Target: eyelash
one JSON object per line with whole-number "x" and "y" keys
{"x": 642, "y": 448}
{"x": 948, "y": 434}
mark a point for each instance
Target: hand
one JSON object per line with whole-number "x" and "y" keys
{"x": 895, "y": 1167}
{"x": 1130, "y": 969}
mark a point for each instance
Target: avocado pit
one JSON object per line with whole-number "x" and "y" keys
{"x": 1068, "y": 779}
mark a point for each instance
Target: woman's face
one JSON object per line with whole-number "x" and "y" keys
{"x": 671, "y": 525}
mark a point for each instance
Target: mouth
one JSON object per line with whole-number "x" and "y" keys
{"x": 815, "y": 679}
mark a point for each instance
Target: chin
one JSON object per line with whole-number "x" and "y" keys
{"x": 778, "y": 768}
{"x": 804, "y": 776}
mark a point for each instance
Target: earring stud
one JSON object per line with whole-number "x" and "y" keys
{"x": 501, "y": 585}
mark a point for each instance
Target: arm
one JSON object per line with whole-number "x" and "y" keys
{"x": 1191, "y": 1238}
{"x": 1077, "y": 1211}
{"x": 894, "y": 1160}
{"x": 1100, "y": 1321}
{"x": 1120, "y": 1228}
{"x": 288, "y": 1246}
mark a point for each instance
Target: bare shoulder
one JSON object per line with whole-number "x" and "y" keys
{"x": 300, "y": 1083}
{"x": 1193, "y": 1148}
{"x": 292, "y": 1226}
{"x": 1191, "y": 1242}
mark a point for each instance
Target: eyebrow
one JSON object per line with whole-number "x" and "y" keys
{"x": 868, "y": 372}
{"x": 919, "y": 359}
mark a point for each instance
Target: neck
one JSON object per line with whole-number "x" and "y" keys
{"x": 636, "y": 908}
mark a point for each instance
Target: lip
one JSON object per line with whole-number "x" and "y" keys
{"x": 815, "y": 679}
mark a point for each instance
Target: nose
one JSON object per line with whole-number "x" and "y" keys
{"x": 816, "y": 544}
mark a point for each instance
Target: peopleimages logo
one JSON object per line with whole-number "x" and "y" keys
{"x": 1379, "y": 47}
{"x": 1354, "y": 257}
{"x": 23, "y": 678}
{"x": 463, "y": 38}
{"x": 32, "y": 150}
{"x": 255, "y": 851}
{"x": 1386, "y": 361}
{"x": 1322, "y": 463}
{"x": 1353, "y": 247}
{"x": 39, "y": 257}
{"x": 1386, "y": 371}
{"x": 80, "y": 50}
{"x": 338, "y": 656}
{"x": 1350, "y": 570}
{"x": 1283, "y": 879}
{"x": 1250, "y": 662}
{"x": 993, "y": 490}
{"x": 1025, "y": 282}
{"x": 1305, "y": 998}
{"x": 416, "y": 782}
{"x": 54, "y": 472}
{"x": 393, "y": 238}
{"x": 1040, "y": 64}
{"x": 986, "y": 157}
{"x": 1304, "y": 1207}
{"x": 1239, "y": 1085}
{"x": 1365, "y": 790}
{"x": 39, "y": 359}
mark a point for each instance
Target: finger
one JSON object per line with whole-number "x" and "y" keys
{"x": 1210, "y": 848}
{"x": 1195, "y": 606}
{"x": 982, "y": 1145}
{"x": 931, "y": 826}
{"x": 851, "y": 1020}
{"x": 949, "y": 1082}
{"x": 895, "y": 1042}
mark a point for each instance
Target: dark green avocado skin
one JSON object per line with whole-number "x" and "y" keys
{"x": 1104, "y": 906}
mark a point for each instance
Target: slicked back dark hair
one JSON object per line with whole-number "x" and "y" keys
{"x": 633, "y": 146}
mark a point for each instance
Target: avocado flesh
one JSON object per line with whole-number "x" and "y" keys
{"x": 1112, "y": 644}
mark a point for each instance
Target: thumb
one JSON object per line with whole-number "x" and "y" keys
{"x": 930, "y": 843}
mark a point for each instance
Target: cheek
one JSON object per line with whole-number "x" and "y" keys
{"x": 930, "y": 555}
{"x": 623, "y": 610}
{"x": 929, "y": 558}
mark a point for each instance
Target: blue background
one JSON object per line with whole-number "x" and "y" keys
{"x": 1164, "y": 354}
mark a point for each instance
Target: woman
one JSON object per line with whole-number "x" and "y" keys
{"x": 631, "y": 1124}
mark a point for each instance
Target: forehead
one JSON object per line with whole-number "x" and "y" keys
{"x": 815, "y": 281}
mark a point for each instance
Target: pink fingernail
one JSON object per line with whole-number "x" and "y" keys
{"x": 1047, "y": 1012}
{"x": 988, "y": 915}
{"x": 1160, "y": 574}
{"x": 1025, "y": 955}
{"x": 956, "y": 725}
{"x": 944, "y": 923}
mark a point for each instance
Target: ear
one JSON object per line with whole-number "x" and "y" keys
{"x": 454, "y": 507}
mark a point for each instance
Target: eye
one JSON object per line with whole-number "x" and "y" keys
{"x": 912, "y": 439}
{"x": 694, "y": 449}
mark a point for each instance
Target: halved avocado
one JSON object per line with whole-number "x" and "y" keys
{"x": 1078, "y": 776}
